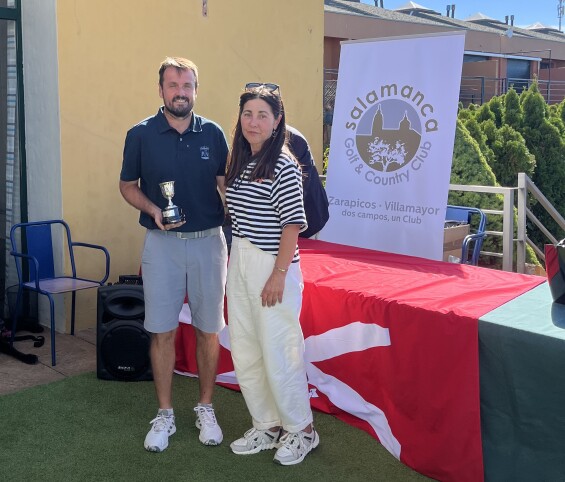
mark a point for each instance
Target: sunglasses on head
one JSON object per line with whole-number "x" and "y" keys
{"x": 256, "y": 85}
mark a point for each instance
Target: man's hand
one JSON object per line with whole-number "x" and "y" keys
{"x": 157, "y": 215}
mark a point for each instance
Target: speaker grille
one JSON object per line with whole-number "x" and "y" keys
{"x": 124, "y": 305}
{"x": 125, "y": 350}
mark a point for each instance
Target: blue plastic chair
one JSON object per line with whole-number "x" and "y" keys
{"x": 36, "y": 268}
{"x": 472, "y": 244}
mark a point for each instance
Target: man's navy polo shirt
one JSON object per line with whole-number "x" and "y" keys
{"x": 154, "y": 152}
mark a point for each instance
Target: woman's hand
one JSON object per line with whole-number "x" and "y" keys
{"x": 273, "y": 289}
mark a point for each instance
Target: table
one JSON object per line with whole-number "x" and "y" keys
{"x": 391, "y": 344}
{"x": 522, "y": 386}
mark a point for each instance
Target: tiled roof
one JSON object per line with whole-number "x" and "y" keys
{"x": 413, "y": 6}
{"x": 540, "y": 27}
{"x": 416, "y": 13}
{"x": 357, "y": 8}
{"x": 480, "y": 16}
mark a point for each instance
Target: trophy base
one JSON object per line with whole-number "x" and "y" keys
{"x": 173, "y": 215}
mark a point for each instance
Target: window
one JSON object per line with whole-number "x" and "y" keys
{"x": 518, "y": 73}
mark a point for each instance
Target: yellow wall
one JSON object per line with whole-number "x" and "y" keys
{"x": 108, "y": 55}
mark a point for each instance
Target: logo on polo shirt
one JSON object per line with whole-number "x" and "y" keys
{"x": 204, "y": 152}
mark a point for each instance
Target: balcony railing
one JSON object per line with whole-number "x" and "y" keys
{"x": 478, "y": 90}
{"x": 526, "y": 192}
{"x": 475, "y": 90}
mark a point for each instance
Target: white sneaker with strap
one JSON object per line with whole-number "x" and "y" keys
{"x": 295, "y": 446}
{"x": 254, "y": 440}
{"x": 210, "y": 431}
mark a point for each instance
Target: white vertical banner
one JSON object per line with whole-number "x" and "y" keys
{"x": 392, "y": 143}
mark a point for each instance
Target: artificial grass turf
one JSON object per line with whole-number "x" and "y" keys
{"x": 83, "y": 429}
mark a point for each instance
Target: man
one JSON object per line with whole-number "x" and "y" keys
{"x": 316, "y": 202}
{"x": 189, "y": 256}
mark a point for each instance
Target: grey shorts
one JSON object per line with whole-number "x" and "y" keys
{"x": 172, "y": 268}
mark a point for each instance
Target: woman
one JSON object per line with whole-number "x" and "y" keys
{"x": 264, "y": 285}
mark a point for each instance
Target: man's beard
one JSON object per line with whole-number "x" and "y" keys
{"x": 181, "y": 112}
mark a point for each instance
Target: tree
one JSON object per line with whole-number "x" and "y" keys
{"x": 511, "y": 156}
{"x": 479, "y": 136}
{"x": 473, "y": 108}
{"x": 489, "y": 130}
{"x": 512, "y": 114}
{"x": 545, "y": 142}
{"x": 464, "y": 114}
{"x": 497, "y": 108}
{"x": 533, "y": 107}
{"x": 469, "y": 167}
{"x": 562, "y": 110}
{"x": 484, "y": 113}
{"x": 556, "y": 119}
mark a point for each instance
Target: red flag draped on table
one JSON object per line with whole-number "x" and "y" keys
{"x": 392, "y": 347}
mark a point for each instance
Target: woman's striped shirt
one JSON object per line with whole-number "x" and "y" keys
{"x": 260, "y": 209}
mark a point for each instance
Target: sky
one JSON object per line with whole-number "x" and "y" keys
{"x": 526, "y": 12}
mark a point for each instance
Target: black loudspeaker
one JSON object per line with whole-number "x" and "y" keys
{"x": 122, "y": 344}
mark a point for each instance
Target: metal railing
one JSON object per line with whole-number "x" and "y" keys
{"x": 526, "y": 191}
{"x": 526, "y": 188}
{"x": 507, "y": 214}
{"x": 478, "y": 90}
{"x": 475, "y": 90}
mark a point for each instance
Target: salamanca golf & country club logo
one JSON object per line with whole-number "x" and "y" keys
{"x": 391, "y": 134}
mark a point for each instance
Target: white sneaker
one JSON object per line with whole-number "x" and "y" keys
{"x": 295, "y": 446}
{"x": 253, "y": 441}
{"x": 157, "y": 439}
{"x": 210, "y": 431}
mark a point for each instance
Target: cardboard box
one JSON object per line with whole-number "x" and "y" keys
{"x": 453, "y": 237}
{"x": 535, "y": 270}
{"x": 455, "y": 253}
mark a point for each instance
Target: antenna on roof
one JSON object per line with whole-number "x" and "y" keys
{"x": 560, "y": 9}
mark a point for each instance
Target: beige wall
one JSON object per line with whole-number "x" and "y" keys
{"x": 108, "y": 56}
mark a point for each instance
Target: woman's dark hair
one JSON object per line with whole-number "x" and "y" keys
{"x": 268, "y": 155}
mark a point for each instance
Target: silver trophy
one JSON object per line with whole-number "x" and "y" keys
{"x": 171, "y": 214}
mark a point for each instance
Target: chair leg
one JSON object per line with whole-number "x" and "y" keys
{"x": 73, "y": 303}
{"x": 15, "y": 315}
{"x": 52, "y": 312}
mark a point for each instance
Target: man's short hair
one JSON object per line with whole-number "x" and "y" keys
{"x": 180, "y": 64}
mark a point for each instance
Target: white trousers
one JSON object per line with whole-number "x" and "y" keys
{"x": 267, "y": 344}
